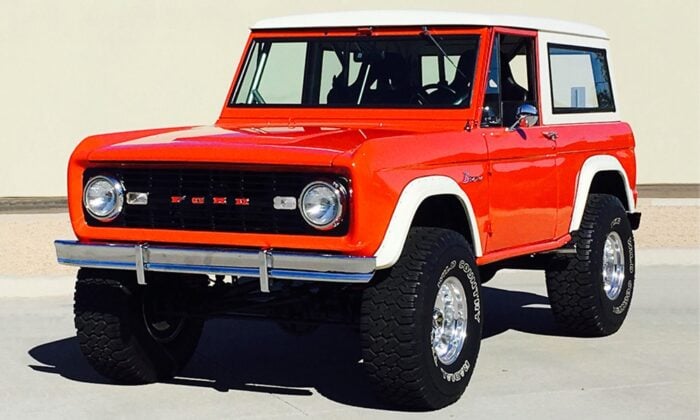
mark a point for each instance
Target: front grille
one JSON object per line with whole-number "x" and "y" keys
{"x": 259, "y": 187}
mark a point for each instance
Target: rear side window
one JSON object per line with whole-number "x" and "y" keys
{"x": 580, "y": 80}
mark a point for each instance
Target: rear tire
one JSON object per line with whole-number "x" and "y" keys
{"x": 431, "y": 294}
{"x": 590, "y": 291}
{"x": 120, "y": 332}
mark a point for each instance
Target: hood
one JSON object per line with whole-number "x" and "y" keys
{"x": 313, "y": 146}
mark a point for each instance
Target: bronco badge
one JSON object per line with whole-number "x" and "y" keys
{"x": 468, "y": 179}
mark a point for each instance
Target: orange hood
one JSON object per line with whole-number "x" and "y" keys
{"x": 312, "y": 146}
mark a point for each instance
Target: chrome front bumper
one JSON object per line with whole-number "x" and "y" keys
{"x": 264, "y": 265}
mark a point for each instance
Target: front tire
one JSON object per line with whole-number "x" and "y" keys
{"x": 590, "y": 291}
{"x": 121, "y": 332}
{"x": 421, "y": 325}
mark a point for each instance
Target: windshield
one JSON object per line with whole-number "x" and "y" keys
{"x": 378, "y": 72}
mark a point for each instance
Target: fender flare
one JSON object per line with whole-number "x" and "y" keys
{"x": 592, "y": 166}
{"x": 411, "y": 198}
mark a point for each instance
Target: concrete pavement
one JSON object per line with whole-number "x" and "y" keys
{"x": 251, "y": 369}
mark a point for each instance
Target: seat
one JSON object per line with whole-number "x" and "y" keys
{"x": 391, "y": 77}
{"x": 341, "y": 94}
{"x": 510, "y": 89}
{"x": 512, "y": 94}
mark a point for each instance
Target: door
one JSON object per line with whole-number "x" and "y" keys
{"x": 522, "y": 166}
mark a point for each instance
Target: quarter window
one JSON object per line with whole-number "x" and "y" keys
{"x": 580, "y": 80}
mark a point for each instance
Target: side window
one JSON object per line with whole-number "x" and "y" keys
{"x": 580, "y": 80}
{"x": 511, "y": 80}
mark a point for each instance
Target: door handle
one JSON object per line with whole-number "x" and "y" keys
{"x": 551, "y": 135}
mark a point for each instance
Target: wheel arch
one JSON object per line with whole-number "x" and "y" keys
{"x": 419, "y": 199}
{"x": 602, "y": 174}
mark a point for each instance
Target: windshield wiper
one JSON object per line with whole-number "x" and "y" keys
{"x": 427, "y": 34}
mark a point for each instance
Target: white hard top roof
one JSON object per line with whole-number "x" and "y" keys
{"x": 425, "y": 18}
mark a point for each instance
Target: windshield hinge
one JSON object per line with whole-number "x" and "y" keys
{"x": 470, "y": 125}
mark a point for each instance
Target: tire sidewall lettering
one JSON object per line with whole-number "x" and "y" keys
{"x": 457, "y": 376}
{"x": 629, "y": 278}
{"x": 463, "y": 271}
{"x": 620, "y": 306}
{"x": 615, "y": 222}
{"x": 620, "y": 309}
{"x": 466, "y": 268}
{"x": 445, "y": 272}
{"x": 474, "y": 285}
{"x": 630, "y": 254}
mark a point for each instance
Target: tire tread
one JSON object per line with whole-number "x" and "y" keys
{"x": 101, "y": 332}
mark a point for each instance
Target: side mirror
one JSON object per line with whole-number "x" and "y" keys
{"x": 525, "y": 116}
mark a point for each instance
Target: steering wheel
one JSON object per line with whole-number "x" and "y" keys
{"x": 421, "y": 96}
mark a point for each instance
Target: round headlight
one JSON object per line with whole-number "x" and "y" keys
{"x": 103, "y": 198}
{"x": 322, "y": 204}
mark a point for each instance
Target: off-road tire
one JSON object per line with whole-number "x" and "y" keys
{"x": 112, "y": 332}
{"x": 397, "y": 317}
{"x": 575, "y": 281}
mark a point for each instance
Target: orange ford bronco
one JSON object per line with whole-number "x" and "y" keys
{"x": 373, "y": 169}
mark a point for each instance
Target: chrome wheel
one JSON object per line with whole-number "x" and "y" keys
{"x": 613, "y": 266}
{"x": 449, "y": 330}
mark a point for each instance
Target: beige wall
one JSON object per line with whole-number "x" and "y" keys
{"x": 72, "y": 68}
